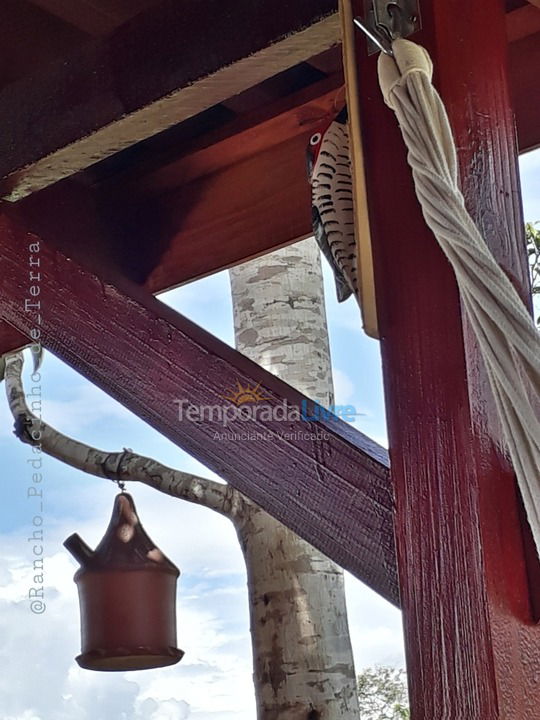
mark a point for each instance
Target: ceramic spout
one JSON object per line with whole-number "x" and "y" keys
{"x": 79, "y": 549}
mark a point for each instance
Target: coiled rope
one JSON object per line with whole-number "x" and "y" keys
{"x": 507, "y": 337}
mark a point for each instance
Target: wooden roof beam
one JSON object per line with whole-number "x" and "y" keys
{"x": 523, "y": 32}
{"x": 322, "y": 478}
{"x": 239, "y": 212}
{"x": 95, "y": 17}
{"x": 522, "y": 22}
{"x": 147, "y": 76}
{"x": 83, "y": 14}
{"x": 241, "y": 192}
{"x": 11, "y": 339}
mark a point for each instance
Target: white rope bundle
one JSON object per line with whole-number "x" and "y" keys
{"x": 508, "y": 340}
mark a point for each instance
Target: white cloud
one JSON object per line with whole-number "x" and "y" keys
{"x": 375, "y": 627}
{"x": 41, "y": 680}
{"x": 530, "y": 182}
{"x": 344, "y": 388}
{"x": 85, "y": 406}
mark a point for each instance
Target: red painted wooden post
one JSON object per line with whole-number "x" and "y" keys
{"x": 473, "y": 650}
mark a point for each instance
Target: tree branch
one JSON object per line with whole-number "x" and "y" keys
{"x": 119, "y": 466}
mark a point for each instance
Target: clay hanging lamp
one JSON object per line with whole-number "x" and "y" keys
{"x": 127, "y": 596}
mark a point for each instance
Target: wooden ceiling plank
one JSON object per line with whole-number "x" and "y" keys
{"x": 322, "y": 478}
{"x": 242, "y": 191}
{"x": 244, "y": 137}
{"x": 253, "y": 171}
{"x": 522, "y": 22}
{"x": 241, "y": 211}
{"x": 524, "y": 73}
{"x": 145, "y": 77}
{"x": 82, "y": 14}
{"x": 94, "y": 17}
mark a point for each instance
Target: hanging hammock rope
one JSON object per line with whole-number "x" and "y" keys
{"x": 507, "y": 337}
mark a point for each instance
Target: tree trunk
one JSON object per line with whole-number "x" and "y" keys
{"x": 303, "y": 665}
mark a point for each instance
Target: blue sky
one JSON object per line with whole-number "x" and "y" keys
{"x": 41, "y": 680}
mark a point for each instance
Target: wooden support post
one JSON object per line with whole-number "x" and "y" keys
{"x": 473, "y": 650}
{"x": 321, "y": 478}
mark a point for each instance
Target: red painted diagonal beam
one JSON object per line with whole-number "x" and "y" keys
{"x": 473, "y": 649}
{"x": 11, "y": 339}
{"x": 323, "y": 479}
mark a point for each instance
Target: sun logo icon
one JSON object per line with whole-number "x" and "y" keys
{"x": 243, "y": 395}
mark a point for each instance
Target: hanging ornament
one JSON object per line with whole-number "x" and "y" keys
{"x": 127, "y": 596}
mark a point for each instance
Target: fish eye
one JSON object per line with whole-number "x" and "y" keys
{"x": 315, "y": 139}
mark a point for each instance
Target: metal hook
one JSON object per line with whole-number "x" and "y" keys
{"x": 395, "y": 11}
{"x": 377, "y": 36}
{"x": 121, "y": 484}
{"x": 386, "y": 20}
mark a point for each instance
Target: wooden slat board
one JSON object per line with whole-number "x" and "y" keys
{"x": 31, "y": 38}
{"x": 243, "y": 211}
{"x": 95, "y": 17}
{"x": 334, "y": 490}
{"x": 147, "y": 76}
{"x": 242, "y": 192}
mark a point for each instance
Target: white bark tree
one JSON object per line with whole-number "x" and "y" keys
{"x": 303, "y": 665}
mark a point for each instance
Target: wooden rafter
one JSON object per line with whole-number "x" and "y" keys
{"x": 522, "y": 22}
{"x": 248, "y": 135}
{"x": 333, "y": 489}
{"x": 523, "y": 30}
{"x": 136, "y": 88}
{"x": 254, "y": 172}
{"x": 95, "y": 17}
{"x": 524, "y": 66}
{"x": 147, "y": 76}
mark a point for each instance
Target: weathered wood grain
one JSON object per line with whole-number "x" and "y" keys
{"x": 240, "y": 212}
{"x": 146, "y": 76}
{"x": 334, "y": 490}
{"x": 95, "y": 17}
{"x": 11, "y": 339}
{"x": 472, "y": 647}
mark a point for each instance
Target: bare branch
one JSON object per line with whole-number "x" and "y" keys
{"x": 118, "y": 466}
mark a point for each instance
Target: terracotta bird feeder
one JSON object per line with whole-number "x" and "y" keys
{"x": 127, "y": 593}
